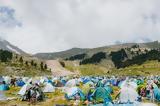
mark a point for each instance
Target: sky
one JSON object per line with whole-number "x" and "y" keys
{"x": 56, "y": 25}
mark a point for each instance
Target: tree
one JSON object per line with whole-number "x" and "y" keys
{"x": 5, "y": 55}
{"x": 32, "y": 63}
{"x": 21, "y": 60}
{"x": 26, "y": 63}
{"x": 62, "y": 63}
{"x": 35, "y": 64}
{"x": 45, "y": 67}
{"x": 42, "y": 66}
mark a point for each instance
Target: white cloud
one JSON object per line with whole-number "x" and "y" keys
{"x": 54, "y": 25}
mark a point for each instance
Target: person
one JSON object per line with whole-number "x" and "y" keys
{"x": 13, "y": 80}
{"x": 33, "y": 98}
{"x": 152, "y": 93}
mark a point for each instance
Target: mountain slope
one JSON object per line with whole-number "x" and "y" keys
{"x": 5, "y": 45}
{"x": 63, "y": 54}
{"x": 92, "y": 51}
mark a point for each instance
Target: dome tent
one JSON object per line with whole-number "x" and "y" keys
{"x": 101, "y": 94}
{"x": 71, "y": 93}
{"x": 4, "y": 87}
{"x": 48, "y": 88}
{"x": 24, "y": 89}
{"x": 71, "y": 83}
{"x": 20, "y": 83}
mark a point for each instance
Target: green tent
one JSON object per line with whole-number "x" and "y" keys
{"x": 101, "y": 95}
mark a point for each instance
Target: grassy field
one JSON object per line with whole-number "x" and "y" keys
{"x": 146, "y": 69}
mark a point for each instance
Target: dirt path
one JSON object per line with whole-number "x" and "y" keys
{"x": 57, "y": 69}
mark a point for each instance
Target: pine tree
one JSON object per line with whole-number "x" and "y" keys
{"x": 32, "y": 63}
{"x": 45, "y": 67}
{"x": 42, "y": 66}
{"x": 21, "y": 60}
{"x": 26, "y": 63}
{"x": 35, "y": 64}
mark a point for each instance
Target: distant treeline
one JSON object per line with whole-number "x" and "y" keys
{"x": 119, "y": 58}
{"x": 96, "y": 58}
{"x": 77, "y": 57}
{"x": 5, "y": 56}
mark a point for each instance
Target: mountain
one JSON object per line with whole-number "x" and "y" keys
{"x": 63, "y": 54}
{"x": 5, "y": 45}
{"x": 92, "y": 51}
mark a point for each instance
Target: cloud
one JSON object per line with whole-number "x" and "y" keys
{"x": 55, "y": 25}
{"x": 7, "y": 19}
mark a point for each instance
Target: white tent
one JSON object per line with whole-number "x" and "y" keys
{"x": 7, "y": 79}
{"x": 48, "y": 88}
{"x": 24, "y": 89}
{"x": 128, "y": 93}
{"x": 25, "y": 79}
{"x": 71, "y": 91}
{"x": 71, "y": 83}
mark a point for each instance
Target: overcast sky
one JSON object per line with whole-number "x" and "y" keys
{"x": 55, "y": 25}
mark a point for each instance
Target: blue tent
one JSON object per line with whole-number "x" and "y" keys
{"x": 109, "y": 89}
{"x": 20, "y": 83}
{"x": 157, "y": 93}
{"x": 4, "y": 87}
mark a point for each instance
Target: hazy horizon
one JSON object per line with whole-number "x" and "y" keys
{"x": 51, "y": 26}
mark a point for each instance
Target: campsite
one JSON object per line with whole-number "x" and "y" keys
{"x": 79, "y": 52}
{"x": 77, "y": 91}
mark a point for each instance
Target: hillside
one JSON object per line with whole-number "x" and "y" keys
{"x": 91, "y": 51}
{"x": 63, "y": 54}
{"x": 99, "y": 61}
{"x": 5, "y": 45}
{"x": 18, "y": 65}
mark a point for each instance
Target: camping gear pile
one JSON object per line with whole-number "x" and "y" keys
{"x": 89, "y": 89}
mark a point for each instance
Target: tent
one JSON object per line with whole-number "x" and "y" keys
{"x": 4, "y": 87}
{"x": 101, "y": 95}
{"x": 109, "y": 89}
{"x": 7, "y": 80}
{"x": 1, "y": 79}
{"x": 71, "y": 93}
{"x": 99, "y": 84}
{"x": 86, "y": 88}
{"x": 128, "y": 93}
{"x": 71, "y": 83}
{"x": 157, "y": 93}
{"x": 20, "y": 83}
{"x": 24, "y": 89}
{"x": 48, "y": 88}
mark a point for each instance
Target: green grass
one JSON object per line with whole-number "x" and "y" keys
{"x": 146, "y": 69}
{"x": 21, "y": 70}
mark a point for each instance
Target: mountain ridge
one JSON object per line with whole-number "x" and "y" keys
{"x": 5, "y": 45}
{"x": 74, "y": 51}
